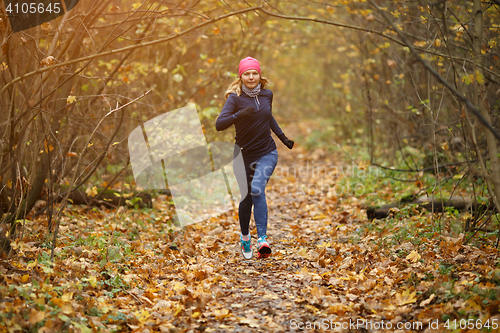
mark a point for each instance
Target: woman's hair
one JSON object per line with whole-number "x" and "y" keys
{"x": 235, "y": 87}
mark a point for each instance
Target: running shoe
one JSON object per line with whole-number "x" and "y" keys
{"x": 263, "y": 247}
{"x": 246, "y": 248}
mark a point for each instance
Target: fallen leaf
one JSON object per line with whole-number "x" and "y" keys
{"x": 142, "y": 315}
{"x": 223, "y": 313}
{"x": 405, "y": 297}
{"x": 66, "y": 297}
{"x": 427, "y": 301}
{"x": 249, "y": 321}
{"x": 413, "y": 256}
{"x": 36, "y": 316}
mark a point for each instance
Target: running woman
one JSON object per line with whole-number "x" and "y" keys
{"x": 249, "y": 107}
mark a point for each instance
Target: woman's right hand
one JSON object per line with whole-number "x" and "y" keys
{"x": 246, "y": 112}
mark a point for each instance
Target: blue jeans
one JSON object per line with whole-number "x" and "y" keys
{"x": 258, "y": 173}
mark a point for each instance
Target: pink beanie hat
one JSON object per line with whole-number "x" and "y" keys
{"x": 248, "y": 63}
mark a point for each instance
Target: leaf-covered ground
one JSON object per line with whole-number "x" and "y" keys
{"x": 331, "y": 269}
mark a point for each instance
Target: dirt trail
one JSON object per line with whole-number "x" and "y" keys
{"x": 308, "y": 232}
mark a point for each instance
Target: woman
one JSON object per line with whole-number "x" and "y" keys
{"x": 249, "y": 107}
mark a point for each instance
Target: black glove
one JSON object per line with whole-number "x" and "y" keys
{"x": 286, "y": 141}
{"x": 246, "y": 112}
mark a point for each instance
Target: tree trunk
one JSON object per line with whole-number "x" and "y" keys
{"x": 479, "y": 98}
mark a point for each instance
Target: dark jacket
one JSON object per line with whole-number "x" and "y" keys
{"x": 253, "y": 134}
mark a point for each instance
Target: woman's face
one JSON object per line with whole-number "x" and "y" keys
{"x": 250, "y": 78}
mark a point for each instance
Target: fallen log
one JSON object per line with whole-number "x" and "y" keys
{"x": 431, "y": 204}
{"x": 112, "y": 199}
{"x": 108, "y": 198}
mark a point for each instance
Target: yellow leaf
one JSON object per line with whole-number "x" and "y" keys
{"x": 219, "y": 314}
{"x": 405, "y": 297}
{"x": 36, "y": 316}
{"x": 178, "y": 310}
{"x": 178, "y": 287}
{"x": 311, "y": 308}
{"x": 413, "y": 256}
{"x": 473, "y": 306}
{"x": 48, "y": 147}
{"x": 71, "y": 99}
{"x": 67, "y": 309}
{"x": 25, "y": 278}
{"x": 57, "y": 302}
{"x": 468, "y": 79}
{"x": 93, "y": 281}
{"x": 83, "y": 328}
{"x": 91, "y": 192}
{"x": 325, "y": 244}
{"x": 479, "y": 77}
{"x": 67, "y": 296}
{"x": 142, "y": 315}
{"x": 385, "y": 45}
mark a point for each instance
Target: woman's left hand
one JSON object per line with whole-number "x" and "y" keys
{"x": 286, "y": 141}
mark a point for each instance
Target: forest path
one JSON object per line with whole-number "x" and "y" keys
{"x": 308, "y": 279}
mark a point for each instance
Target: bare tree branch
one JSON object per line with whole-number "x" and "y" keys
{"x": 455, "y": 92}
{"x": 348, "y": 26}
{"x": 127, "y": 48}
